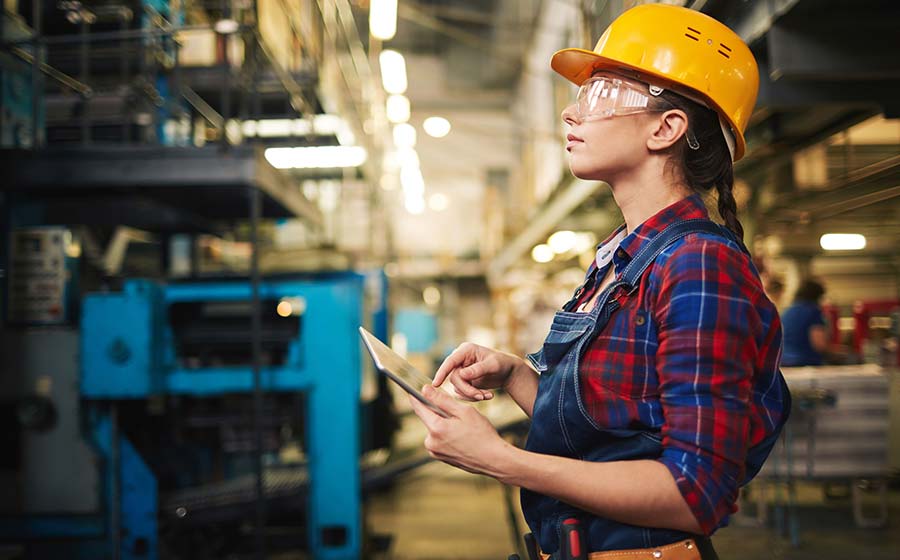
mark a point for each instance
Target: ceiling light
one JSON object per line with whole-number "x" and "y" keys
{"x": 273, "y": 128}
{"x": 320, "y": 125}
{"x": 842, "y": 242}
{"x": 316, "y": 157}
{"x": 431, "y": 295}
{"x": 404, "y": 136}
{"x": 414, "y": 203}
{"x": 542, "y": 253}
{"x": 438, "y": 127}
{"x": 226, "y": 26}
{"x": 383, "y": 19}
{"x": 393, "y": 71}
{"x": 397, "y": 109}
{"x": 562, "y": 241}
{"x": 407, "y": 157}
{"x": 438, "y": 202}
{"x": 411, "y": 181}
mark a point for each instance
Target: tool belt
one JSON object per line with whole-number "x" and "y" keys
{"x": 681, "y": 550}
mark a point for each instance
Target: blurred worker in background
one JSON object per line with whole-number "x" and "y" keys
{"x": 657, "y": 392}
{"x": 805, "y": 330}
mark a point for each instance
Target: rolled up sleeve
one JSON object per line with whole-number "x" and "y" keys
{"x": 705, "y": 363}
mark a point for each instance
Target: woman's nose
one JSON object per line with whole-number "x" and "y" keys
{"x": 569, "y": 115}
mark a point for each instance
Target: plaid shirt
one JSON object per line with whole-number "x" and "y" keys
{"x": 692, "y": 354}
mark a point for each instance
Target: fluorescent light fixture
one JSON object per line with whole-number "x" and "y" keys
{"x": 542, "y": 253}
{"x": 438, "y": 202}
{"x": 842, "y": 242}
{"x": 437, "y": 127}
{"x": 316, "y": 157}
{"x": 325, "y": 124}
{"x": 415, "y": 204}
{"x": 407, "y": 157}
{"x": 397, "y": 109}
{"x": 562, "y": 241}
{"x": 411, "y": 181}
{"x": 226, "y": 26}
{"x": 383, "y": 19}
{"x": 273, "y": 128}
{"x": 321, "y": 125}
{"x": 404, "y": 136}
{"x": 393, "y": 71}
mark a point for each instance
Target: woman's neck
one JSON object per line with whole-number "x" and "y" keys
{"x": 644, "y": 193}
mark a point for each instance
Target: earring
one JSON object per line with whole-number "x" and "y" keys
{"x": 691, "y": 140}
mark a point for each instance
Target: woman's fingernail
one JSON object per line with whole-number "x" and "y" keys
{"x": 488, "y": 395}
{"x": 479, "y": 397}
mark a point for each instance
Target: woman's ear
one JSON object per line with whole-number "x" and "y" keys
{"x": 667, "y": 129}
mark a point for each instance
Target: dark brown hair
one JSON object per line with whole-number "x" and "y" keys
{"x": 708, "y": 167}
{"x": 810, "y": 291}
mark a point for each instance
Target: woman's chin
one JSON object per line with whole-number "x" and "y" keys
{"x": 586, "y": 174}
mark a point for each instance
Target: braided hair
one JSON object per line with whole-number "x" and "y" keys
{"x": 709, "y": 166}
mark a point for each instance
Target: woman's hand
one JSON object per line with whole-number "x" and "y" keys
{"x": 467, "y": 440}
{"x": 641, "y": 492}
{"x": 474, "y": 369}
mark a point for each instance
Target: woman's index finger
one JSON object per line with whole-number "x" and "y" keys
{"x": 450, "y": 363}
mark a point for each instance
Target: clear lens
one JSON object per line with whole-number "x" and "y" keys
{"x": 601, "y": 97}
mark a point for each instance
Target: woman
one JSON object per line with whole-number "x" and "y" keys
{"x": 805, "y": 331}
{"x": 657, "y": 393}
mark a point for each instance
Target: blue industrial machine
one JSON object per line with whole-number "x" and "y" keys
{"x": 164, "y": 366}
{"x": 136, "y": 418}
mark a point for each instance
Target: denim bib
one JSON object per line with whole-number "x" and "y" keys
{"x": 561, "y": 425}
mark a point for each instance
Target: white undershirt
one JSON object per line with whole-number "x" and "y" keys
{"x": 604, "y": 256}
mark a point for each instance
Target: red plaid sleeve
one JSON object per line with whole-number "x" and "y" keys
{"x": 708, "y": 328}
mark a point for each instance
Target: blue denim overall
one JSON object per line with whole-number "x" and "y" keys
{"x": 562, "y": 426}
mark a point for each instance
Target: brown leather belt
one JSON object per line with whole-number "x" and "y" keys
{"x": 681, "y": 550}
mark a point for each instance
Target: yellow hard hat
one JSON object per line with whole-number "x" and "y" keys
{"x": 679, "y": 49}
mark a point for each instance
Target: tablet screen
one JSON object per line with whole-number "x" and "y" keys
{"x": 399, "y": 370}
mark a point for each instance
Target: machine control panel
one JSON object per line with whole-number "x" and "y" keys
{"x": 40, "y": 274}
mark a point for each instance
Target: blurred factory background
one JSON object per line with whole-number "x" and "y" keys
{"x": 201, "y": 200}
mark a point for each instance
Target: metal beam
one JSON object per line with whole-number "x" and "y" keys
{"x": 757, "y": 17}
{"x": 871, "y": 185}
{"x": 786, "y": 93}
{"x": 822, "y": 51}
{"x": 770, "y": 147}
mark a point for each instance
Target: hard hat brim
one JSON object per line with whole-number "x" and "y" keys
{"x": 577, "y": 65}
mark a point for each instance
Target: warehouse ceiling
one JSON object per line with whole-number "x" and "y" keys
{"x": 481, "y": 41}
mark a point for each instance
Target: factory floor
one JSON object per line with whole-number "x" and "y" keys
{"x": 441, "y": 513}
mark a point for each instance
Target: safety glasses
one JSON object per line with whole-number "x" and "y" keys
{"x": 602, "y": 97}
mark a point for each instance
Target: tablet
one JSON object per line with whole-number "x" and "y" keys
{"x": 399, "y": 370}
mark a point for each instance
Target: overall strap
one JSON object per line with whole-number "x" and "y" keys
{"x": 647, "y": 254}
